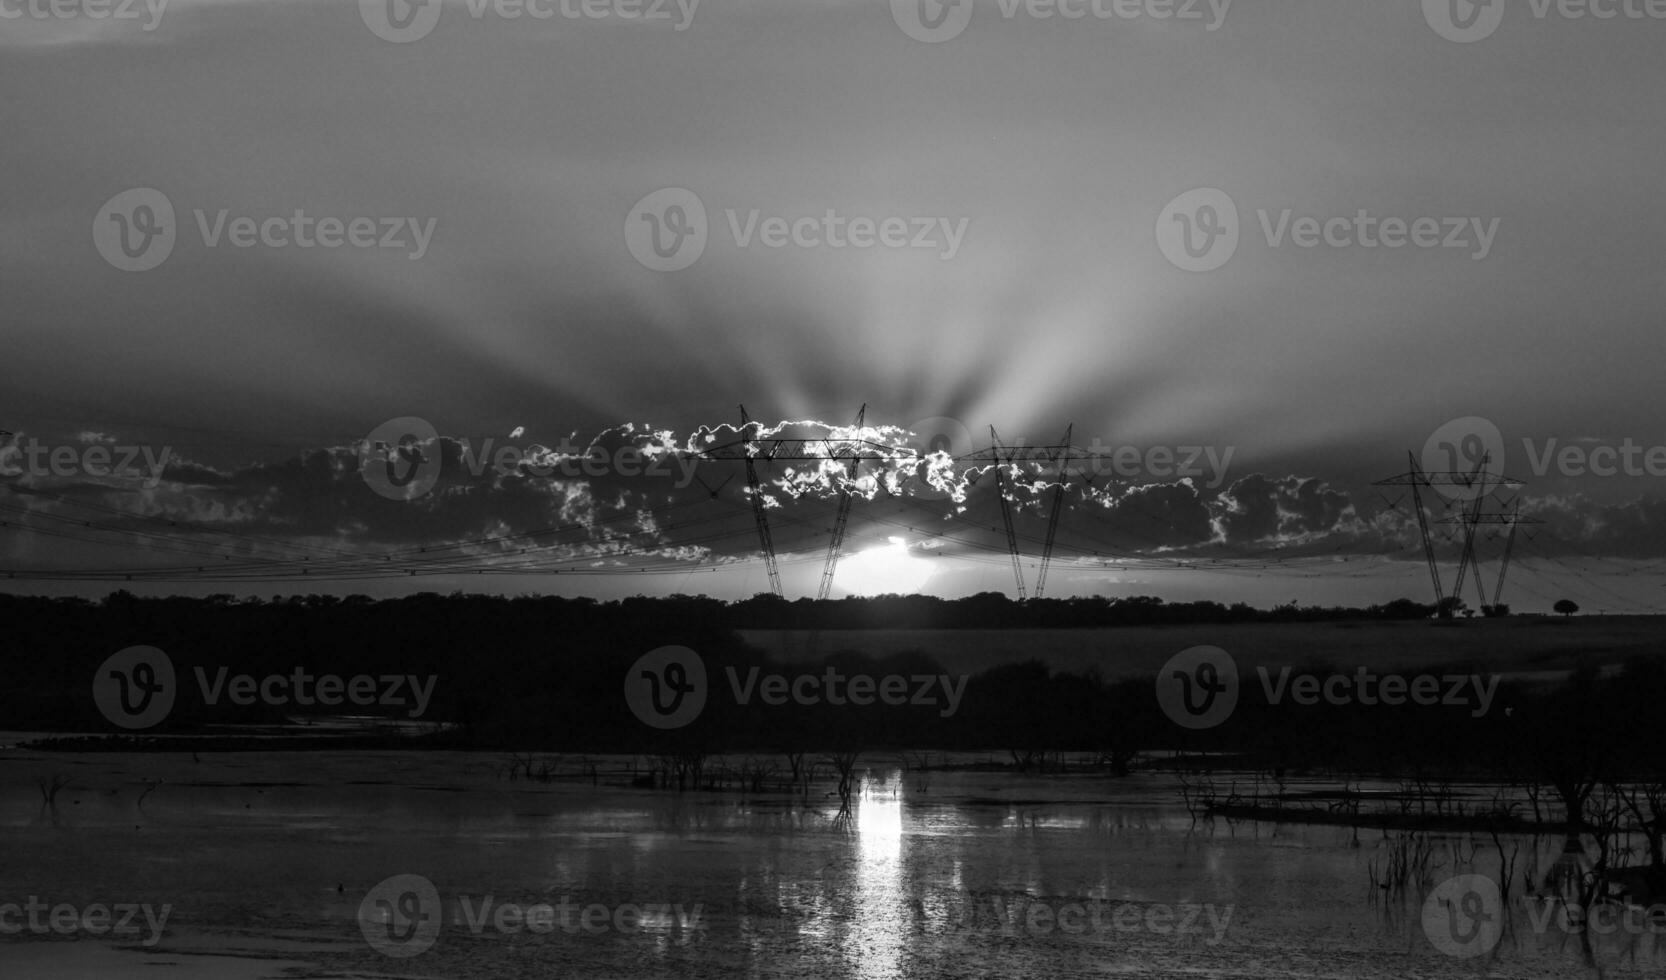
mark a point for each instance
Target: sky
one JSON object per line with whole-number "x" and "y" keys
{"x": 1312, "y": 241}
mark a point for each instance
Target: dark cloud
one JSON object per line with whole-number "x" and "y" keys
{"x": 632, "y": 496}
{"x": 1287, "y": 510}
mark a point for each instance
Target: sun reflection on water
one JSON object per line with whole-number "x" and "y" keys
{"x": 882, "y": 916}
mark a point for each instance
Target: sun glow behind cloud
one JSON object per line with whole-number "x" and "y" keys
{"x": 888, "y": 569}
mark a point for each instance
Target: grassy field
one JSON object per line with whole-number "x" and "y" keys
{"x": 1520, "y": 647}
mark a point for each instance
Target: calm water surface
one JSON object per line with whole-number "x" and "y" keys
{"x": 266, "y": 860}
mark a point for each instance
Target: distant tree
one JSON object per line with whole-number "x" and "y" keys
{"x": 1496, "y": 611}
{"x": 1567, "y": 607}
{"x": 1449, "y": 606}
{"x": 1403, "y": 609}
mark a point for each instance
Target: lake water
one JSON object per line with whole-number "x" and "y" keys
{"x": 266, "y": 863}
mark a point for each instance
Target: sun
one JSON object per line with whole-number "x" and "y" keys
{"x": 879, "y": 571}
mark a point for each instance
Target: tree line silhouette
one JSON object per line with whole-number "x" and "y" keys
{"x": 548, "y": 674}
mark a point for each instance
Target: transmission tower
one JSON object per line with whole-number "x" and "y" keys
{"x": 1469, "y": 517}
{"x": 1001, "y": 480}
{"x": 755, "y": 491}
{"x": 1063, "y": 461}
{"x": 853, "y": 462}
{"x": 1473, "y": 487}
{"x": 751, "y": 449}
{"x": 1473, "y": 519}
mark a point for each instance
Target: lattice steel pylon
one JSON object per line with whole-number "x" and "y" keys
{"x": 853, "y": 460}
{"x": 1472, "y": 488}
{"x": 1063, "y": 461}
{"x": 1471, "y": 514}
{"x": 1509, "y": 547}
{"x": 755, "y": 491}
{"x": 752, "y": 447}
{"x": 1511, "y": 520}
{"x": 1006, "y": 508}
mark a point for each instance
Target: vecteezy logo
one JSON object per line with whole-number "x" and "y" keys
{"x": 932, "y": 21}
{"x": 400, "y": 21}
{"x": 666, "y": 687}
{"x": 1464, "y": 916}
{"x": 929, "y": 479}
{"x": 1464, "y": 21}
{"x": 667, "y": 230}
{"x": 1459, "y": 455}
{"x": 401, "y": 917}
{"x": 1198, "y": 687}
{"x": 1198, "y": 231}
{"x": 135, "y": 687}
{"x": 135, "y": 230}
{"x": 401, "y": 459}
